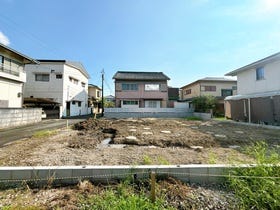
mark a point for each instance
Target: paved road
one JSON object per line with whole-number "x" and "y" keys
{"x": 13, "y": 134}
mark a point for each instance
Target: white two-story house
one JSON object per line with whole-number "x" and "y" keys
{"x": 12, "y": 76}
{"x": 60, "y": 82}
{"x": 258, "y": 92}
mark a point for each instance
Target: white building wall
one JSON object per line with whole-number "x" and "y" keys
{"x": 247, "y": 83}
{"x": 75, "y": 92}
{"x": 60, "y": 90}
{"x": 39, "y": 89}
{"x": 11, "y": 94}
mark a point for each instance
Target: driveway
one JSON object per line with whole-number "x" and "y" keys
{"x": 12, "y": 134}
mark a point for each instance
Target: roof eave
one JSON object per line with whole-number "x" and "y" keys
{"x": 260, "y": 62}
{"x": 20, "y": 54}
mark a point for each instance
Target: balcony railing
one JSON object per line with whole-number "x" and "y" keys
{"x": 10, "y": 69}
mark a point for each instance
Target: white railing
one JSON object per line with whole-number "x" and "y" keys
{"x": 11, "y": 69}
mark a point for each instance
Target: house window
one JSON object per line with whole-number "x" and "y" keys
{"x": 58, "y": 76}
{"x": 73, "y": 102}
{"x": 73, "y": 80}
{"x": 130, "y": 102}
{"x": 188, "y": 91}
{"x": 226, "y": 92}
{"x": 42, "y": 77}
{"x": 1, "y": 62}
{"x": 151, "y": 87}
{"x": 126, "y": 86}
{"x": 208, "y": 88}
{"x": 260, "y": 73}
{"x": 152, "y": 104}
{"x": 234, "y": 87}
{"x": 97, "y": 93}
{"x": 79, "y": 103}
{"x": 83, "y": 84}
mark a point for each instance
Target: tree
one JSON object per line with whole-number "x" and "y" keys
{"x": 204, "y": 103}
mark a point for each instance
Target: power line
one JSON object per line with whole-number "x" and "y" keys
{"x": 15, "y": 26}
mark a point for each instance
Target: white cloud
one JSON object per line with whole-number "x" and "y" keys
{"x": 4, "y": 39}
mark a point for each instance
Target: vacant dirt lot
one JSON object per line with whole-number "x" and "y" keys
{"x": 139, "y": 141}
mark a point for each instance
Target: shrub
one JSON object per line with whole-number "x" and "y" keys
{"x": 258, "y": 187}
{"x": 204, "y": 103}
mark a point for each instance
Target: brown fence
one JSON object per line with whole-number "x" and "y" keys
{"x": 264, "y": 110}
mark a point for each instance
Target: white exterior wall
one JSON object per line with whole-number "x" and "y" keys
{"x": 39, "y": 89}
{"x": 75, "y": 92}
{"x": 11, "y": 94}
{"x": 12, "y": 79}
{"x": 60, "y": 90}
{"x": 247, "y": 83}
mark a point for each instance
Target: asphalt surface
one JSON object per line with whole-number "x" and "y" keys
{"x": 16, "y": 133}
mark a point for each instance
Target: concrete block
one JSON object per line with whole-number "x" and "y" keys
{"x": 24, "y": 174}
{"x": 5, "y": 174}
{"x": 199, "y": 175}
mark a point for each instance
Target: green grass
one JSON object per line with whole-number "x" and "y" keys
{"x": 219, "y": 118}
{"x": 256, "y": 187}
{"x": 193, "y": 118}
{"x": 44, "y": 133}
{"x": 124, "y": 197}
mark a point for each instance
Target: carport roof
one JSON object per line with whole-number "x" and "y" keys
{"x": 39, "y": 101}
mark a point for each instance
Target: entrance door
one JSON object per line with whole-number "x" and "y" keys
{"x": 68, "y": 104}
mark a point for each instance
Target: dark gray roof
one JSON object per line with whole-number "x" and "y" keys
{"x": 30, "y": 60}
{"x": 136, "y": 75}
{"x": 95, "y": 86}
{"x": 211, "y": 79}
{"x": 74, "y": 64}
{"x": 256, "y": 64}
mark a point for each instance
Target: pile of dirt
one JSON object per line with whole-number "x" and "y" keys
{"x": 144, "y": 132}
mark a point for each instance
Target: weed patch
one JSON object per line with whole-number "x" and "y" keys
{"x": 44, "y": 133}
{"x": 258, "y": 187}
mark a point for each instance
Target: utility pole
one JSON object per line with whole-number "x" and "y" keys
{"x": 102, "y": 101}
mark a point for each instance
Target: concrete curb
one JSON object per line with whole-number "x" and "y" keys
{"x": 202, "y": 174}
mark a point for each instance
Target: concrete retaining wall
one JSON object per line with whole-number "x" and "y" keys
{"x": 10, "y": 117}
{"x": 203, "y": 174}
{"x": 204, "y": 116}
{"x": 146, "y": 112}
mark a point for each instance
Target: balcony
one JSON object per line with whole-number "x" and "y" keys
{"x": 12, "y": 72}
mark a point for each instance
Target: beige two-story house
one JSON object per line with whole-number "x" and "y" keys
{"x": 12, "y": 76}
{"x": 94, "y": 98}
{"x": 218, "y": 87}
{"x": 258, "y": 92}
{"x": 141, "y": 89}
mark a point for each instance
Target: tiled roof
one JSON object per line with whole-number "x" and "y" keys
{"x": 134, "y": 75}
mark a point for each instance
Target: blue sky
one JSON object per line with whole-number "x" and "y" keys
{"x": 185, "y": 39}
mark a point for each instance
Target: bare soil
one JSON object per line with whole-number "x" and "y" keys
{"x": 133, "y": 142}
{"x": 139, "y": 141}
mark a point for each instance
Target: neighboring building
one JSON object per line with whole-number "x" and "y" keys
{"x": 258, "y": 98}
{"x": 173, "y": 96}
{"x": 110, "y": 98}
{"x": 219, "y": 87}
{"x": 141, "y": 89}
{"x": 12, "y": 76}
{"x": 59, "y": 81}
{"x": 94, "y": 98}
